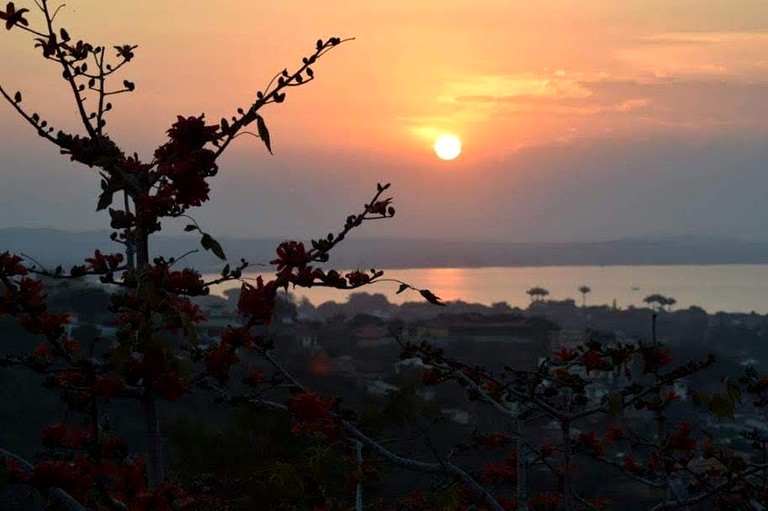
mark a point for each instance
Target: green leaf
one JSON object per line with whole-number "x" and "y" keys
{"x": 263, "y": 132}
{"x": 105, "y": 199}
{"x": 211, "y": 244}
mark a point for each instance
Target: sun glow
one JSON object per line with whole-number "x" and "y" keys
{"x": 448, "y": 147}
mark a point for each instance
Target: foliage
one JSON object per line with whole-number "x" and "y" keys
{"x": 155, "y": 355}
{"x": 155, "y": 352}
{"x": 537, "y": 293}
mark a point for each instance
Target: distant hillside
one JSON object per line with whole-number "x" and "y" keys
{"x": 51, "y": 246}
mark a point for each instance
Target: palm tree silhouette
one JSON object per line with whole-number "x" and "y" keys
{"x": 584, "y": 290}
{"x": 537, "y": 293}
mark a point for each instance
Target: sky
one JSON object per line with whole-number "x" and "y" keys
{"x": 580, "y": 120}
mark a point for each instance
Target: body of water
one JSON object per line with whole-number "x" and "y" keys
{"x": 729, "y": 288}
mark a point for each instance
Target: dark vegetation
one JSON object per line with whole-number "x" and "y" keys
{"x": 145, "y": 393}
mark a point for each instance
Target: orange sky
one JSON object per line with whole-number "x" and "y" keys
{"x": 503, "y": 75}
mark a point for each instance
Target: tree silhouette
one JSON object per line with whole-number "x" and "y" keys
{"x": 537, "y": 293}
{"x": 659, "y": 302}
{"x": 584, "y": 290}
{"x": 155, "y": 354}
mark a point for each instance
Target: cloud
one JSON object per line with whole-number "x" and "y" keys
{"x": 666, "y": 101}
{"x": 706, "y": 102}
{"x": 737, "y": 55}
{"x": 502, "y": 88}
{"x": 705, "y": 38}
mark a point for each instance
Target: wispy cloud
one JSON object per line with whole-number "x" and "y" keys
{"x": 502, "y": 88}
{"x": 705, "y": 38}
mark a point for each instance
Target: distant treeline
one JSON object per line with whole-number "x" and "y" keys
{"x": 49, "y": 245}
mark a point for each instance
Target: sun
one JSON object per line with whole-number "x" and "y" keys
{"x": 448, "y": 147}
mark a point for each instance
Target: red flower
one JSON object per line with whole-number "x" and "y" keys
{"x": 170, "y": 386}
{"x": 654, "y": 358}
{"x": 258, "y": 303}
{"x": 186, "y": 281}
{"x": 682, "y": 439}
{"x": 305, "y": 277}
{"x": 628, "y": 463}
{"x": 594, "y": 361}
{"x": 493, "y": 389}
{"x": 48, "y": 324}
{"x": 312, "y": 412}
{"x": 566, "y": 355}
{"x": 614, "y": 433}
{"x": 103, "y": 263}
{"x": 13, "y": 17}
{"x": 253, "y": 377}
{"x": 185, "y": 185}
{"x": 291, "y": 254}
{"x": 431, "y": 377}
{"x": 219, "y": 360}
{"x": 670, "y": 396}
{"x": 334, "y": 279}
{"x": 238, "y": 338}
{"x": 591, "y": 443}
{"x": 10, "y": 265}
{"x": 73, "y": 436}
{"x": 72, "y": 347}
{"x": 499, "y": 474}
{"x": 191, "y": 132}
{"x": 30, "y": 295}
{"x": 43, "y": 351}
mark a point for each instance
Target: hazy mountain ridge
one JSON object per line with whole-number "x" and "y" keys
{"x": 51, "y": 246}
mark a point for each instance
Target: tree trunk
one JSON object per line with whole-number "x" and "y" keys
{"x": 152, "y": 436}
{"x": 130, "y": 244}
{"x": 153, "y": 441}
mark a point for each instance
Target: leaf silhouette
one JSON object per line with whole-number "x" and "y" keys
{"x": 263, "y": 132}
{"x": 105, "y": 199}
{"x": 430, "y": 297}
{"x": 211, "y": 244}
